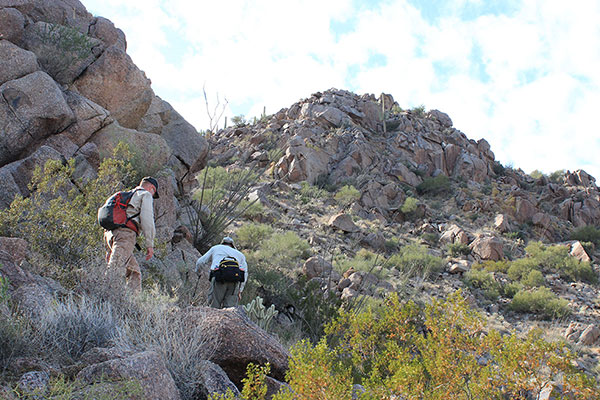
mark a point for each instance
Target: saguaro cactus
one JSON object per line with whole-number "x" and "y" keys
{"x": 258, "y": 313}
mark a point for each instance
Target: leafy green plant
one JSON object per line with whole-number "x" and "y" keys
{"x": 364, "y": 260}
{"x": 540, "y": 301}
{"x": 239, "y": 120}
{"x": 284, "y": 250}
{"x": 419, "y": 111}
{"x": 250, "y": 236}
{"x": 409, "y": 207}
{"x": 61, "y": 47}
{"x": 435, "y": 185}
{"x": 414, "y": 260}
{"x": 587, "y": 233}
{"x": 457, "y": 249}
{"x": 310, "y": 192}
{"x": 58, "y": 219}
{"x": 485, "y": 281}
{"x": 557, "y": 176}
{"x": 347, "y": 195}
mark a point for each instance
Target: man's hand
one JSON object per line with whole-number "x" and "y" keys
{"x": 149, "y": 253}
{"x": 240, "y": 296}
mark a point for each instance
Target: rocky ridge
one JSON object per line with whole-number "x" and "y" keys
{"x": 335, "y": 137}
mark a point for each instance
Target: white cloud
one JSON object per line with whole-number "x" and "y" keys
{"x": 526, "y": 81}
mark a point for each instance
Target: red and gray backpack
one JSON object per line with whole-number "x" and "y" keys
{"x": 113, "y": 214}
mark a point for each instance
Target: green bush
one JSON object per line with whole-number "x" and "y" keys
{"x": 414, "y": 260}
{"x": 251, "y": 209}
{"x": 310, "y": 192}
{"x": 534, "y": 279}
{"x": 409, "y": 206}
{"x": 493, "y": 266}
{"x": 283, "y": 250}
{"x": 15, "y": 339}
{"x": 457, "y": 249}
{"x": 588, "y": 233}
{"x": 540, "y": 301}
{"x": 58, "y": 219}
{"x": 557, "y": 176}
{"x": 498, "y": 169}
{"x": 435, "y": 186}
{"x": 250, "y": 236}
{"x": 347, "y": 195}
{"x": 485, "y": 281}
{"x": 363, "y": 260}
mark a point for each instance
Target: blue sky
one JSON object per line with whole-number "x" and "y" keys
{"x": 524, "y": 75}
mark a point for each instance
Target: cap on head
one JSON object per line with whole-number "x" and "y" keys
{"x": 228, "y": 240}
{"x": 154, "y": 182}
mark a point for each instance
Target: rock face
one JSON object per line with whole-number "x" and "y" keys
{"x": 487, "y": 248}
{"x": 316, "y": 266}
{"x": 215, "y": 380}
{"x": 231, "y": 327}
{"x": 147, "y": 367}
{"x": 115, "y": 83}
{"x": 343, "y": 222}
{"x": 31, "y": 109}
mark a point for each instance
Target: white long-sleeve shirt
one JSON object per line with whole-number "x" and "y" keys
{"x": 217, "y": 253}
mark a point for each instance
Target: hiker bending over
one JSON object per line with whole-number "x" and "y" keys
{"x": 120, "y": 237}
{"x": 228, "y": 273}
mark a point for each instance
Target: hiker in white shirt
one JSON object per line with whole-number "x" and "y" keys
{"x": 227, "y": 279}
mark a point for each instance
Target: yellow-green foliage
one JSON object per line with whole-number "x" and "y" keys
{"x": 439, "y": 351}
{"x": 255, "y": 386}
{"x": 485, "y": 281}
{"x": 434, "y": 186}
{"x": 363, "y": 260}
{"x": 414, "y": 260}
{"x": 347, "y": 195}
{"x": 309, "y": 192}
{"x": 540, "y": 301}
{"x": 59, "y": 218}
{"x": 251, "y": 236}
{"x": 283, "y": 250}
{"x": 588, "y": 233}
{"x": 250, "y": 209}
{"x": 410, "y": 205}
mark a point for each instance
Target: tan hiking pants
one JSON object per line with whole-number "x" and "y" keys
{"x": 121, "y": 262}
{"x": 222, "y": 295}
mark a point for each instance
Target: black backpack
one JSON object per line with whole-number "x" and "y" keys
{"x": 113, "y": 214}
{"x": 228, "y": 271}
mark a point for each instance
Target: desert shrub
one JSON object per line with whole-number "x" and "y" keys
{"x": 534, "y": 279}
{"x": 498, "y": 169}
{"x": 435, "y": 351}
{"x": 409, "y": 206}
{"x": 347, "y": 195}
{"x": 431, "y": 237}
{"x": 540, "y": 301}
{"x": 557, "y": 176}
{"x": 414, "y": 260}
{"x": 588, "y": 233}
{"x": 184, "y": 345}
{"x": 15, "y": 339}
{"x": 493, "y": 266}
{"x": 364, "y": 260}
{"x": 217, "y": 203}
{"x": 250, "y": 236}
{"x": 310, "y": 192}
{"x": 254, "y": 385}
{"x": 62, "y": 388}
{"x": 419, "y": 111}
{"x": 250, "y": 209}
{"x": 75, "y": 325}
{"x": 536, "y": 174}
{"x": 315, "y": 373}
{"x": 512, "y": 288}
{"x": 485, "y": 281}
{"x": 61, "y": 47}
{"x": 457, "y": 249}
{"x": 58, "y": 219}
{"x": 435, "y": 186}
{"x": 284, "y": 250}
